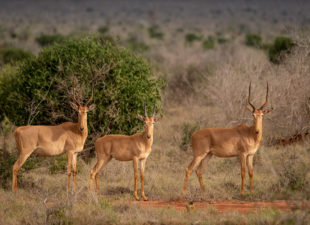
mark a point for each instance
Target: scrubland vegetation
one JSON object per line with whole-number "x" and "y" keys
{"x": 195, "y": 61}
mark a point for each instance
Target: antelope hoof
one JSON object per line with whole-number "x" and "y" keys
{"x": 144, "y": 197}
{"x": 137, "y": 197}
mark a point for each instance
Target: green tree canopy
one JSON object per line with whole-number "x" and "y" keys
{"x": 40, "y": 90}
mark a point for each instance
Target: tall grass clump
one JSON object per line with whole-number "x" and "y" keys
{"x": 41, "y": 89}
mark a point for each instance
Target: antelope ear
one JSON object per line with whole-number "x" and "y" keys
{"x": 250, "y": 108}
{"x": 74, "y": 106}
{"x": 91, "y": 107}
{"x": 267, "y": 111}
{"x": 140, "y": 117}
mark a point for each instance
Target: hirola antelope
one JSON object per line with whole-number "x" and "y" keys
{"x": 242, "y": 141}
{"x": 134, "y": 148}
{"x": 66, "y": 138}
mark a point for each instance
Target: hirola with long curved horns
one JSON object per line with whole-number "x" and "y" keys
{"x": 242, "y": 140}
{"x": 136, "y": 147}
{"x": 67, "y": 137}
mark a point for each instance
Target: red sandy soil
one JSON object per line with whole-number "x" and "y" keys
{"x": 225, "y": 206}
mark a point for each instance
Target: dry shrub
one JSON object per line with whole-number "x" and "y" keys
{"x": 289, "y": 88}
{"x": 182, "y": 85}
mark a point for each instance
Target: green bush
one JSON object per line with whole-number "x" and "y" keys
{"x": 154, "y": 32}
{"x": 253, "y": 40}
{"x": 103, "y": 29}
{"x": 280, "y": 46}
{"x": 209, "y": 43}
{"x": 44, "y": 85}
{"x": 191, "y": 37}
{"x": 13, "y": 55}
{"x": 188, "y": 129}
{"x": 49, "y": 39}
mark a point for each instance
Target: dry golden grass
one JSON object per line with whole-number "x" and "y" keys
{"x": 205, "y": 88}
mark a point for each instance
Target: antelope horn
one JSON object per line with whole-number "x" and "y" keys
{"x": 92, "y": 92}
{"x": 266, "y": 99}
{"x": 253, "y": 107}
{"x": 145, "y": 114}
{"x": 154, "y": 110}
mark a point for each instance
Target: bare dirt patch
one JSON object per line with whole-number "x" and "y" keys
{"x": 225, "y": 206}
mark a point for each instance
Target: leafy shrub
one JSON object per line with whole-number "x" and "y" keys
{"x": 188, "y": 129}
{"x": 191, "y": 37}
{"x": 103, "y": 29}
{"x": 43, "y": 84}
{"x": 154, "y": 32}
{"x": 49, "y": 39}
{"x": 280, "y": 45}
{"x": 209, "y": 43}
{"x": 13, "y": 55}
{"x": 253, "y": 40}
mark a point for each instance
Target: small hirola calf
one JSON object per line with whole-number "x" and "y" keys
{"x": 67, "y": 137}
{"x": 240, "y": 141}
{"x": 136, "y": 147}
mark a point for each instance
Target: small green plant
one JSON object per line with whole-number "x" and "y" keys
{"x": 180, "y": 30}
{"x": 13, "y": 55}
{"x": 209, "y": 43}
{"x": 49, "y": 39}
{"x": 136, "y": 45}
{"x": 221, "y": 40}
{"x": 253, "y": 40}
{"x": 191, "y": 37}
{"x": 103, "y": 29}
{"x": 280, "y": 46}
{"x": 155, "y": 32}
{"x": 60, "y": 165}
{"x": 188, "y": 129}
